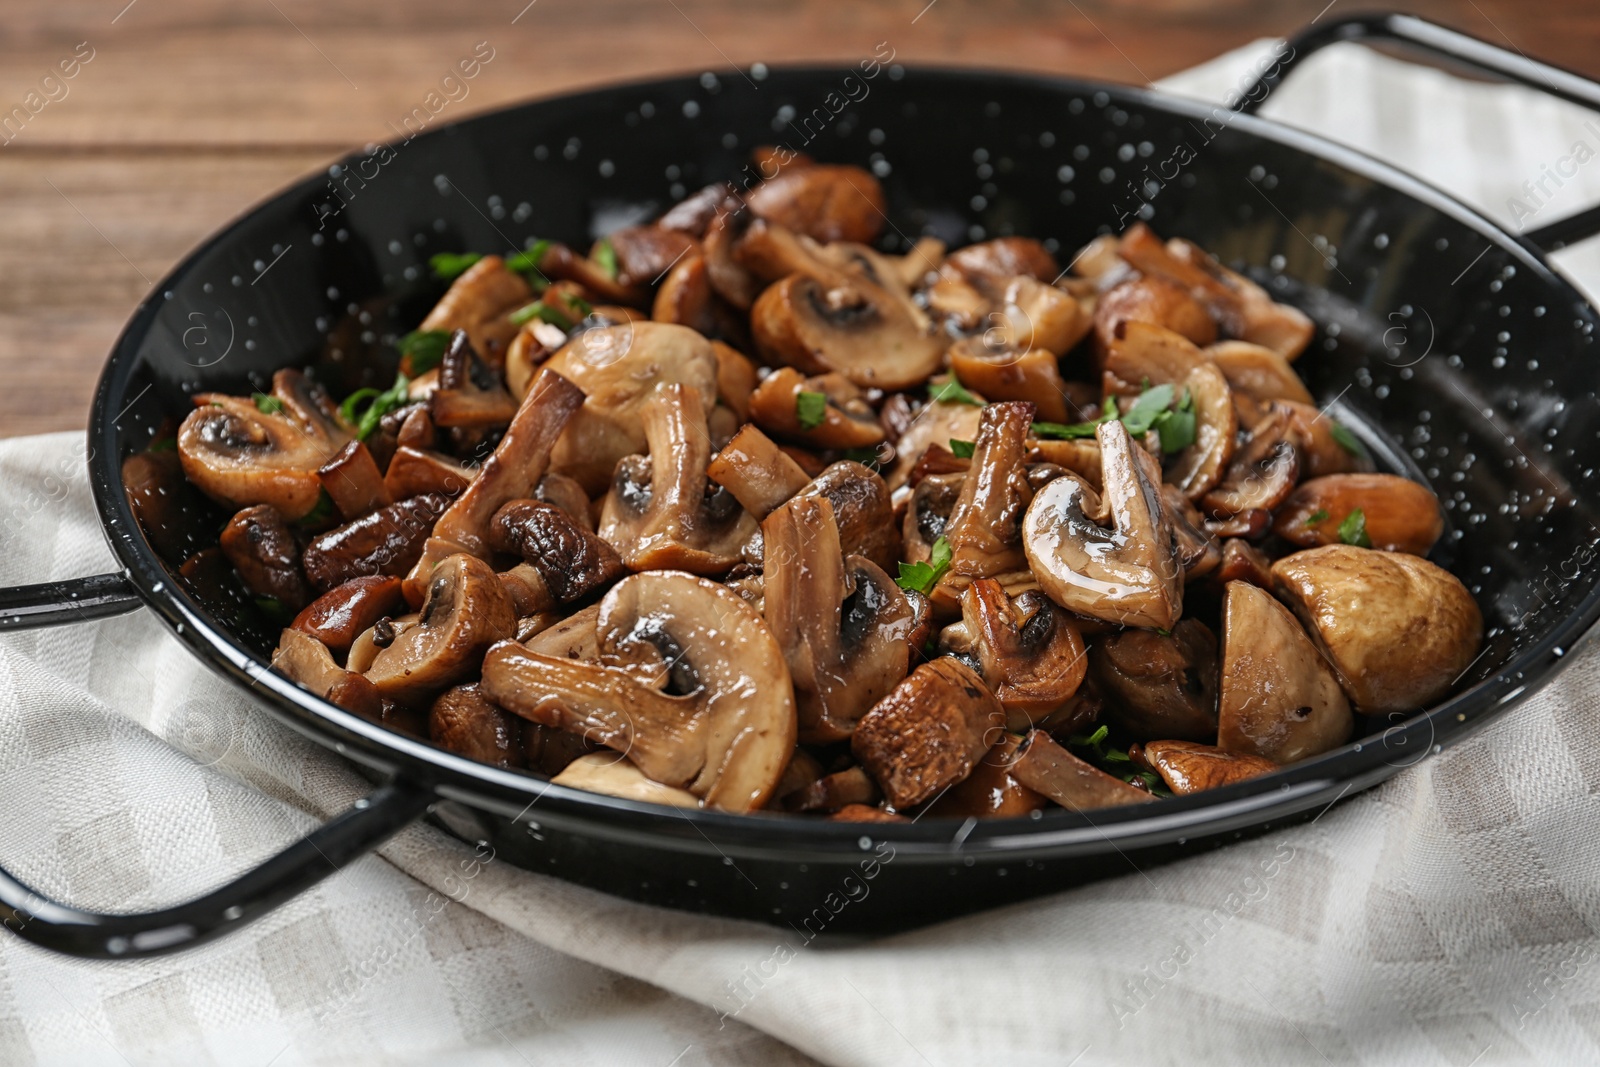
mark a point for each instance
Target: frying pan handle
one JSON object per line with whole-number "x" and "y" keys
{"x": 90, "y": 935}
{"x": 1449, "y": 44}
{"x": 98, "y": 596}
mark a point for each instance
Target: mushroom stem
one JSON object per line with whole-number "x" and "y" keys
{"x": 758, "y": 473}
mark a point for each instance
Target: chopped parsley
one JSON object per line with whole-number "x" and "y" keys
{"x": 320, "y": 512}
{"x": 951, "y": 391}
{"x": 378, "y": 404}
{"x": 424, "y": 349}
{"x": 527, "y": 265}
{"x": 1065, "y": 432}
{"x": 267, "y": 405}
{"x": 605, "y": 254}
{"x": 1320, "y": 515}
{"x": 1151, "y": 405}
{"x": 922, "y": 577}
{"x": 275, "y": 610}
{"x": 1353, "y": 530}
{"x": 1154, "y": 410}
{"x": 544, "y": 313}
{"x": 810, "y": 409}
{"x": 961, "y": 449}
{"x": 1348, "y": 441}
{"x": 448, "y": 266}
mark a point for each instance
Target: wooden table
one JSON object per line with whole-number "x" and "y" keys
{"x": 188, "y": 111}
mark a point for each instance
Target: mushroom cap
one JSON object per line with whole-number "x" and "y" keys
{"x": 990, "y": 265}
{"x": 1127, "y": 574}
{"x": 480, "y": 302}
{"x": 1154, "y": 300}
{"x": 989, "y": 791}
{"x": 846, "y": 324}
{"x": 726, "y": 737}
{"x": 389, "y": 541}
{"x": 572, "y": 561}
{"x": 1279, "y": 699}
{"x": 822, "y": 201}
{"x": 467, "y": 722}
{"x": 1001, "y": 371}
{"x": 847, "y": 420}
{"x": 1262, "y": 472}
{"x": 618, "y": 369}
{"x": 1199, "y": 468}
{"x": 1401, "y": 515}
{"x": 1397, "y": 629}
{"x": 466, "y": 609}
{"x": 1161, "y": 685}
{"x": 339, "y": 616}
{"x": 935, "y": 423}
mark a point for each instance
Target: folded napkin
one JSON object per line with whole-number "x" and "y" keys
{"x": 1447, "y": 917}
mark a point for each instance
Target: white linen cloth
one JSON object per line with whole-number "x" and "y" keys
{"x": 1447, "y": 917}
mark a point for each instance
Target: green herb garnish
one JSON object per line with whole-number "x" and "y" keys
{"x": 275, "y": 610}
{"x": 378, "y": 404}
{"x": 320, "y": 512}
{"x": 424, "y": 349}
{"x": 543, "y": 312}
{"x": 810, "y": 409}
{"x": 1353, "y": 530}
{"x": 527, "y": 265}
{"x": 267, "y": 405}
{"x": 162, "y": 444}
{"x": 961, "y": 449}
{"x": 922, "y": 577}
{"x": 951, "y": 391}
{"x": 448, "y": 266}
{"x": 1177, "y": 427}
{"x": 1071, "y": 432}
{"x": 606, "y": 256}
{"x": 1320, "y": 515}
{"x": 1348, "y": 441}
{"x": 1151, "y": 405}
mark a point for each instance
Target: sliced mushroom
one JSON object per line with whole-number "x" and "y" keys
{"x": 466, "y": 610}
{"x": 928, "y": 514}
{"x": 1140, "y": 352}
{"x": 645, "y": 253}
{"x": 851, "y": 326}
{"x": 237, "y": 453}
{"x": 694, "y": 213}
{"x": 990, "y": 791}
{"x": 618, "y": 369}
{"x": 1035, "y": 314}
{"x": 1258, "y": 372}
{"x": 1047, "y": 768}
{"x": 572, "y": 562}
{"x": 470, "y": 396}
{"x": 353, "y": 482}
{"x": 416, "y": 471}
{"x": 824, "y": 202}
{"x": 377, "y": 637}
{"x": 1154, "y": 300}
{"x": 1198, "y": 553}
{"x": 726, "y": 731}
{"x": 1244, "y": 562}
{"x": 989, "y": 266}
{"x": 832, "y": 792}
{"x": 1128, "y": 573}
{"x": 1188, "y": 767}
{"x": 567, "y": 495}
{"x": 468, "y": 723}
{"x": 616, "y": 776}
{"x": 928, "y": 733}
{"x": 389, "y": 541}
{"x": 1161, "y": 685}
{"x": 845, "y": 420}
{"x": 935, "y": 423}
{"x": 1080, "y": 456}
{"x": 1001, "y": 371}
{"x": 756, "y": 471}
{"x": 338, "y": 617}
{"x": 841, "y": 621}
{"x": 1398, "y": 630}
{"x": 864, "y": 813}
{"x": 1199, "y": 468}
{"x": 303, "y": 659}
{"x": 1317, "y": 437}
{"x": 263, "y": 550}
{"x": 729, "y": 278}
{"x": 736, "y": 379}
{"x": 561, "y": 262}
{"x": 862, "y": 509}
{"x": 1261, "y": 474}
{"x": 985, "y": 527}
{"x": 659, "y": 513}
{"x": 1399, "y": 514}
{"x": 1279, "y": 699}
{"x": 480, "y": 302}
{"x": 1030, "y": 653}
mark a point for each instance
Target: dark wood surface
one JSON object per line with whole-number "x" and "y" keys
{"x": 191, "y": 110}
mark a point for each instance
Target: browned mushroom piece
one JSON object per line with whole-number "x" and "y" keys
{"x": 353, "y": 482}
{"x": 1034, "y": 315}
{"x": 1258, "y": 372}
{"x": 418, "y": 471}
{"x": 303, "y": 659}
{"x": 831, "y": 792}
{"x": 1000, "y": 371}
{"x": 568, "y": 495}
{"x": 1126, "y": 573}
{"x": 172, "y": 515}
{"x": 928, "y": 733}
{"x": 862, "y": 510}
{"x": 1099, "y": 263}
{"x": 724, "y": 728}
{"x": 338, "y": 617}
{"x": 1318, "y": 437}
{"x": 1047, "y": 768}
{"x": 1141, "y": 352}
{"x": 243, "y": 451}
{"x": 262, "y": 548}
{"x": 1261, "y": 473}
{"x": 841, "y": 621}
{"x": 985, "y": 527}
{"x": 1029, "y": 651}
{"x": 990, "y": 791}
{"x": 470, "y": 394}
{"x": 377, "y": 637}
{"x": 989, "y": 266}
{"x": 388, "y": 541}
{"x": 756, "y": 471}
{"x": 824, "y": 202}
{"x": 1399, "y": 515}
{"x": 1080, "y": 456}
{"x": 469, "y": 724}
{"x": 737, "y": 379}
{"x": 1160, "y": 685}
{"x": 693, "y": 214}
{"x": 1155, "y": 301}
{"x": 661, "y": 512}
{"x": 571, "y": 562}
{"x": 956, "y": 303}
{"x": 645, "y": 253}
{"x": 480, "y": 302}
{"x": 826, "y": 411}
{"x": 618, "y": 369}
{"x": 1398, "y": 630}
{"x": 616, "y": 776}
{"x": 1198, "y": 551}
{"x": 560, "y": 262}
{"x": 1278, "y": 697}
{"x": 1244, "y": 562}
{"x": 937, "y": 422}
{"x": 1187, "y": 767}
{"x": 864, "y": 813}
{"x": 466, "y": 610}
{"x": 510, "y": 473}
{"x": 730, "y": 279}
{"x": 1199, "y": 468}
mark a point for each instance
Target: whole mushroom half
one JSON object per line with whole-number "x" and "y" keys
{"x": 721, "y": 721}
{"x": 1126, "y": 573}
{"x": 466, "y": 610}
{"x": 1160, "y": 685}
{"x": 1029, "y": 651}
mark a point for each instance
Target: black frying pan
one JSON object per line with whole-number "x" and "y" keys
{"x": 1500, "y": 417}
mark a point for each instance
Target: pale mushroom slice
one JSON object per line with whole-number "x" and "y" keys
{"x": 928, "y": 733}
{"x": 1279, "y": 699}
{"x": 1324, "y": 446}
{"x": 848, "y": 325}
{"x": 267, "y": 450}
{"x": 466, "y": 609}
{"x": 1199, "y": 468}
{"x": 1160, "y": 685}
{"x": 1000, "y": 370}
{"x": 1029, "y": 652}
{"x": 1127, "y": 573}
{"x": 618, "y": 369}
{"x": 303, "y": 659}
{"x": 1047, "y": 768}
{"x": 480, "y": 302}
{"x": 985, "y": 527}
{"x": 1258, "y": 372}
{"x": 661, "y": 511}
{"x": 1155, "y": 301}
{"x": 759, "y": 474}
{"x": 842, "y": 622}
{"x": 826, "y": 411}
{"x": 1259, "y": 477}
{"x": 724, "y": 731}
{"x": 1397, "y": 514}
{"x": 616, "y": 776}
{"x": 937, "y": 422}
{"x": 989, "y": 266}
{"x": 1398, "y": 630}
{"x": 1188, "y": 767}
